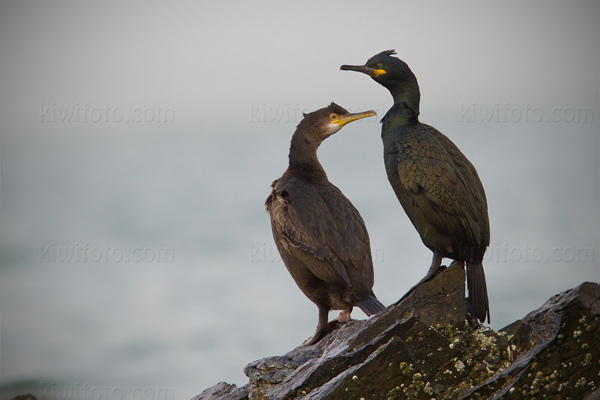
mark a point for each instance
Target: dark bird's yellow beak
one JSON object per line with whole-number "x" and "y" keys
{"x": 372, "y": 72}
{"x": 346, "y": 119}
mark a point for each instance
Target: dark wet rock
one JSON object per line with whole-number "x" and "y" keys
{"x": 427, "y": 348}
{"x": 554, "y": 351}
{"x": 223, "y": 391}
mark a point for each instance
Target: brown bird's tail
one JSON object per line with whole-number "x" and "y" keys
{"x": 478, "y": 297}
{"x": 370, "y": 305}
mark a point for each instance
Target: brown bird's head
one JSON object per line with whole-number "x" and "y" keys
{"x": 329, "y": 120}
{"x": 310, "y": 133}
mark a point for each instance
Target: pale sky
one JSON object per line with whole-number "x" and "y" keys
{"x": 515, "y": 85}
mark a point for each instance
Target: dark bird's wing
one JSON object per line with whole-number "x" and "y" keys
{"x": 318, "y": 225}
{"x": 442, "y": 182}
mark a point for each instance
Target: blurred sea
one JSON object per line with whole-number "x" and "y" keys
{"x": 138, "y": 262}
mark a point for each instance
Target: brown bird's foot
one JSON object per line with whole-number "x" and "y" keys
{"x": 341, "y": 319}
{"x": 344, "y": 316}
{"x": 315, "y": 338}
{"x": 332, "y": 325}
{"x": 322, "y": 327}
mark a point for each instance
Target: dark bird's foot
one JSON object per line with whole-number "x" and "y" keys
{"x": 432, "y": 273}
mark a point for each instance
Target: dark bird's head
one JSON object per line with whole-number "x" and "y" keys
{"x": 394, "y": 74}
{"x": 326, "y": 121}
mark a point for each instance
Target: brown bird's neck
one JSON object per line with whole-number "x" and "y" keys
{"x": 303, "y": 156}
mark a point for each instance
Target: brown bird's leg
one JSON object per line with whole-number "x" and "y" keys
{"x": 322, "y": 327}
{"x": 435, "y": 268}
{"x": 341, "y": 319}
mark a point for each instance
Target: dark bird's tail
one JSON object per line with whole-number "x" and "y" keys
{"x": 478, "y": 297}
{"x": 370, "y": 305}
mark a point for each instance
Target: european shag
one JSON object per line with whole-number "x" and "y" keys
{"x": 320, "y": 236}
{"x": 436, "y": 184}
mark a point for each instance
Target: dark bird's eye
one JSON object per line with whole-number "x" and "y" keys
{"x": 333, "y": 116}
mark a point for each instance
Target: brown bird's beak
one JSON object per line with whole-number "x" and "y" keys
{"x": 341, "y": 121}
{"x": 364, "y": 69}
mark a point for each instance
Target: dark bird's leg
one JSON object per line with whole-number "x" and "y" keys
{"x": 435, "y": 268}
{"x": 322, "y": 327}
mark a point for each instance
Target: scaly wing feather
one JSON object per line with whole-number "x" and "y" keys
{"x": 444, "y": 185}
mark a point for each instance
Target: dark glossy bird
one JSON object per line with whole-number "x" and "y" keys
{"x": 436, "y": 184}
{"x": 320, "y": 236}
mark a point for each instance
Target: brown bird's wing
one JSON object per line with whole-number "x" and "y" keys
{"x": 317, "y": 224}
{"x": 443, "y": 184}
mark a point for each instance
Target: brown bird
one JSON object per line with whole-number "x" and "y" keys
{"x": 321, "y": 237}
{"x": 437, "y": 186}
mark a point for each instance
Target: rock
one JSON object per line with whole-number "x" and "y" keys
{"x": 223, "y": 391}
{"x": 426, "y": 347}
{"x": 554, "y": 351}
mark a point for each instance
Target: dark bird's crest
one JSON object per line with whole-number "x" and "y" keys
{"x": 436, "y": 184}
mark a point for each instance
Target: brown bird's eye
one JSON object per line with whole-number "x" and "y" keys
{"x": 333, "y": 116}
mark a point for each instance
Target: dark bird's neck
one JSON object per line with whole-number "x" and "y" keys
{"x": 303, "y": 156}
{"x": 406, "y": 102}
